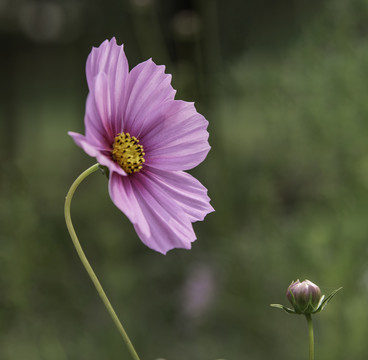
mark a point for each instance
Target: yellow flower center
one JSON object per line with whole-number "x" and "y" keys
{"x": 128, "y": 153}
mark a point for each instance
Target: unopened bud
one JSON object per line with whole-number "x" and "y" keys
{"x": 304, "y": 296}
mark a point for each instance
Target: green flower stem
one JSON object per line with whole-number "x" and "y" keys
{"x": 311, "y": 336}
{"x": 86, "y": 264}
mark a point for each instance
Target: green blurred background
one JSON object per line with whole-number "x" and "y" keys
{"x": 284, "y": 86}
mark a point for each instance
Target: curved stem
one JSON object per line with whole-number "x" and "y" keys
{"x": 86, "y": 264}
{"x": 311, "y": 336}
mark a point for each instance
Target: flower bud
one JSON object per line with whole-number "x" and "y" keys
{"x": 304, "y": 296}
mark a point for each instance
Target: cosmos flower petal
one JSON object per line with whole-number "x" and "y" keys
{"x": 98, "y": 61}
{"x": 96, "y": 152}
{"x": 110, "y": 164}
{"x": 184, "y": 189}
{"x": 82, "y": 142}
{"x": 178, "y": 139}
{"x": 168, "y": 225}
{"x": 123, "y": 194}
{"x": 148, "y": 88}
{"x": 95, "y": 130}
{"x": 102, "y": 103}
{"x": 109, "y": 58}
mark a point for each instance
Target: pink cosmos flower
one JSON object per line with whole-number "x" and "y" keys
{"x": 146, "y": 138}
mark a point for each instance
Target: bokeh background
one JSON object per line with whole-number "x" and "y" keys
{"x": 284, "y": 85}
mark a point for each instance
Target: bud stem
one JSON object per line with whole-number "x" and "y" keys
{"x": 311, "y": 336}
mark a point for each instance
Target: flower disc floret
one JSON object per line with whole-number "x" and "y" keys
{"x": 128, "y": 153}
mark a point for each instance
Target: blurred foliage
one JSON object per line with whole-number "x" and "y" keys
{"x": 284, "y": 87}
